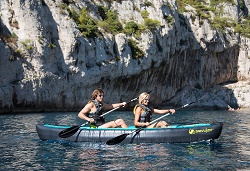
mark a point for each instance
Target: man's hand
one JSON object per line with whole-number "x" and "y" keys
{"x": 91, "y": 120}
{"x": 124, "y": 104}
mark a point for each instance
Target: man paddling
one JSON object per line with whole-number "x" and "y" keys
{"x": 94, "y": 109}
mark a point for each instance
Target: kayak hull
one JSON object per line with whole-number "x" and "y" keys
{"x": 171, "y": 134}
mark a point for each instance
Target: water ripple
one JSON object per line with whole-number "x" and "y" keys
{"x": 21, "y": 149}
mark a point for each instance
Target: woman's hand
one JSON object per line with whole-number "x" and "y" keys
{"x": 145, "y": 124}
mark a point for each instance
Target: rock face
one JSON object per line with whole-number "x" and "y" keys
{"x": 59, "y": 67}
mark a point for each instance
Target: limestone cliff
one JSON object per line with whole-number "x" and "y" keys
{"x": 48, "y": 64}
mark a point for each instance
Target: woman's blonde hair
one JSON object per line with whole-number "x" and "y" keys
{"x": 143, "y": 96}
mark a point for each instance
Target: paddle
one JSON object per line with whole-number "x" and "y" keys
{"x": 72, "y": 130}
{"x": 120, "y": 138}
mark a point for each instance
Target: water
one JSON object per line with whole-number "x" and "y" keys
{"x": 21, "y": 149}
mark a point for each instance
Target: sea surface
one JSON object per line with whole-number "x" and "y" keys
{"x": 21, "y": 148}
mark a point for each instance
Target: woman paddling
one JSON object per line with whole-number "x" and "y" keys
{"x": 143, "y": 113}
{"x": 95, "y": 108}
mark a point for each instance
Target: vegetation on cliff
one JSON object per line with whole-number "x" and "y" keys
{"x": 205, "y": 11}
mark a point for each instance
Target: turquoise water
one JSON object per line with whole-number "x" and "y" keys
{"x": 21, "y": 149}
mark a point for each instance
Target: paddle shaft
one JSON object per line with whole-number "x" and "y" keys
{"x": 141, "y": 128}
{"x": 116, "y": 108}
{"x": 72, "y": 130}
{"x": 103, "y": 115}
{"x": 120, "y": 138}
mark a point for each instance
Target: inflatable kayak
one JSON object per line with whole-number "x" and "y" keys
{"x": 171, "y": 134}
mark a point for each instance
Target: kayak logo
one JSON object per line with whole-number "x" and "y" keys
{"x": 195, "y": 131}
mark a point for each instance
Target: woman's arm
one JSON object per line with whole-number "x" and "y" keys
{"x": 163, "y": 111}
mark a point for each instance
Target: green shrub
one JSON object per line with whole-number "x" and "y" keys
{"x": 27, "y": 44}
{"x": 148, "y": 22}
{"x": 243, "y": 27}
{"x": 203, "y": 10}
{"x": 87, "y": 25}
{"x": 117, "y": 58}
{"x": 40, "y": 39}
{"x": 111, "y": 23}
{"x": 52, "y": 46}
{"x": 63, "y": 7}
{"x": 74, "y": 15}
{"x": 136, "y": 51}
{"x": 237, "y": 28}
{"x": 216, "y": 2}
{"x": 102, "y": 11}
{"x": 18, "y": 53}
{"x": 144, "y": 14}
{"x": 151, "y": 24}
{"x": 131, "y": 27}
{"x": 169, "y": 19}
{"x": 221, "y": 23}
{"x": 148, "y": 3}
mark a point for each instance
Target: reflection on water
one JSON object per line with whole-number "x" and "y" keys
{"x": 242, "y": 136}
{"x": 21, "y": 148}
{"x": 148, "y": 156}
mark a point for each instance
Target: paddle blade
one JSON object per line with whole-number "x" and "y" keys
{"x": 68, "y": 132}
{"x": 117, "y": 139}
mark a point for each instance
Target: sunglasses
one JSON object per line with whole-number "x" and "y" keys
{"x": 101, "y": 95}
{"x": 146, "y": 99}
